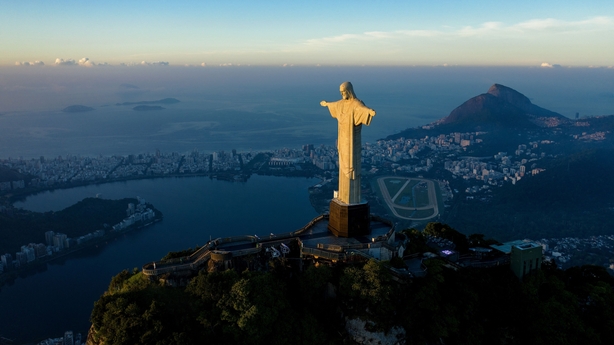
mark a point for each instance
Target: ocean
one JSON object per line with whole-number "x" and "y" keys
{"x": 255, "y": 108}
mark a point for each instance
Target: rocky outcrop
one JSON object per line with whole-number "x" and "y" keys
{"x": 92, "y": 339}
{"x": 356, "y": 328}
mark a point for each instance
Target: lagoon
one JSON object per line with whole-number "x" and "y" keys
{"x": 61, "y": 297}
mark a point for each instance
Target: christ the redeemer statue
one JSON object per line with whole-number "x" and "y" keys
{"x": 351, "y": 113}
{"x": 349, "y": 216}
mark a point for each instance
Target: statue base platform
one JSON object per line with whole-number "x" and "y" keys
{"x": 349, "y": 220}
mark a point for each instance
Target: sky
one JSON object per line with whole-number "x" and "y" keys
{"x": 309, "y": 33}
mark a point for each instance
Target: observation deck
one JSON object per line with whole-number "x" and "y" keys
{"x": 315, "y": 240}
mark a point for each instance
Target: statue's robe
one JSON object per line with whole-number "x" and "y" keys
{"x": 351, "y": 115}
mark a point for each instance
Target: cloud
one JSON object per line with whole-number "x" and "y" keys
{"x": 539, "y": 24}
{"x": 334, "y": 39}
{"x": 86, "y": 62}
{"x": 156, "y": 63}
{"x": 144, "y": 63}
{"x": 486, "y": 29}
{"x": 547, "y": 65}
{"x": 550, "y": 24}
{"x": 62, "y": 62}
{"x": 26, "y": 63}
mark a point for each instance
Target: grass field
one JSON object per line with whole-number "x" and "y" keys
{"x": 393, "y": 185}
{"x": 415, "y": 214}
{"x": 415, "y": 194}
{"x": 410, "y": 198}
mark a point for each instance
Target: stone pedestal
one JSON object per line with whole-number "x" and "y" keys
{"x": 349, "y": 220}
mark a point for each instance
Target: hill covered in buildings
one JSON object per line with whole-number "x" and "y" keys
{"x": 533, "y": 173}
{"x": 572, "y": 197}
{"x": 502, "y": 114}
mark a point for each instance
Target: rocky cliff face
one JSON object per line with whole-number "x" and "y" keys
{"x": 91, "y": 337}
{"x": 357, "y": 330}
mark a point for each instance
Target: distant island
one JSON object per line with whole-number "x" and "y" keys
{"x": 77, "y": 109}
{"x": 147, "y": 107}
{"x": 160, "y": 101}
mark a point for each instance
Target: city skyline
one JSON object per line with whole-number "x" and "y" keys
{"x": 481, "y": 33}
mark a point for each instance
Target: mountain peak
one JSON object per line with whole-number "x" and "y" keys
{"x": 501, "y": 106}
{"x": 510, "y": 95}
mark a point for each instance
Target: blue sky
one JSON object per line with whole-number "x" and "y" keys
{"x": 517, "y": 33}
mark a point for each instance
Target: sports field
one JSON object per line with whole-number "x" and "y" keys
{"x": 410, "y": 198}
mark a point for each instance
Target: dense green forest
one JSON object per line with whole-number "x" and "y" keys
{"x": 23, "y": 227}
{"x": 571, "y": 198}
{"x": 286, "y": 306}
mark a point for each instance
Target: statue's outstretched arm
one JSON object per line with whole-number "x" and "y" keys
{"x": 324, "y": 103}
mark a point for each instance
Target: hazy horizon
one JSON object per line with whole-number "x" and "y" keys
{"x": 255, "y": 107}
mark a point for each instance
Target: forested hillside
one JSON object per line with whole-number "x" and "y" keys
{"x": 285, "y": 306}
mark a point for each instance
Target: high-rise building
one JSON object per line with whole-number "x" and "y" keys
{"x": 525, "y": 256}
{"x": 7, "y": 261}
{"x": 21, "y": 258}
{"x": 130, "y": 210}
{"x": 59, "y": 240}
{"x": 49, "y": 237}
{"x": 41, "y": 250}
{"x": 29, "y": 252}
{"x": 68, "y": 338}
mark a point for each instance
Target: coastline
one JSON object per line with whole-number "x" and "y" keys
{"x": 33, "y": 267}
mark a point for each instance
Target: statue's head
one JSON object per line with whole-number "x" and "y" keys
{"x": 347, "y": 91}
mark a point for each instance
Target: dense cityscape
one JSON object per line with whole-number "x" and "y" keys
{"x": 400, "y": 156}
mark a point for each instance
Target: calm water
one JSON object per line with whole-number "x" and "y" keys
{"x": 256, "y": 108}
{"x": 61, "y": 298}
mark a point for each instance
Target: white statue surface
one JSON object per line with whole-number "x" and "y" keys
{"x": 351, "y": 113}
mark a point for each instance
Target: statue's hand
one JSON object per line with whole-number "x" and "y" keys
{"x": 323, "y": 103}
{"x": 372, "y": 112}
